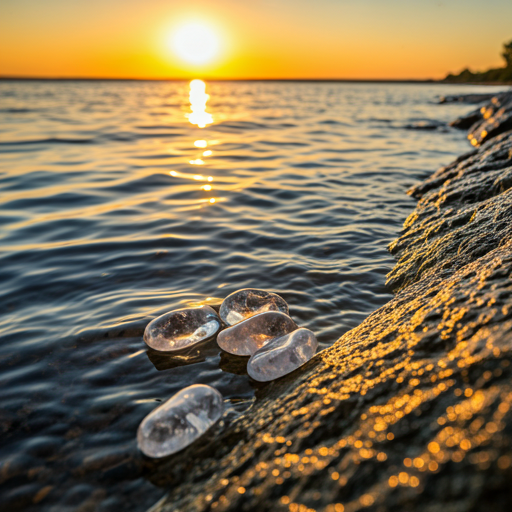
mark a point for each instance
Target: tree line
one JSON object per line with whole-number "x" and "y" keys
{"x": 491, "y": 75}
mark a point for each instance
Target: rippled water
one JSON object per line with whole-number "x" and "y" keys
{"x": 115, "y": 208}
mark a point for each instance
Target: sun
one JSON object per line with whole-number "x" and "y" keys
{"x": 195, "y": 43}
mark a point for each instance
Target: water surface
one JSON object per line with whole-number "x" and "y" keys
{"x": 121, "y": 201}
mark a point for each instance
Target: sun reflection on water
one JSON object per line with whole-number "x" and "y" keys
{"x": 198, "y": 99}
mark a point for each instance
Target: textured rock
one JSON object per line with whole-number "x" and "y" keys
{"x": 467, "y": 98}
{"x": 476, "y": 119}
{"x": 468, "y": 120}
{"x": 182, "y": 328}
{"x": 245, "y": 338}
{"x": 179, "y": 421}
{"x": 463, "y": 213}
{"x": 411, "y": 410}
{"x": 248, "y": 302}
{"x": 496, "y": 119}
{"x": 282, "y": 355}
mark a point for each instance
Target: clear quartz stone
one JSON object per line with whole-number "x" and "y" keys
{"x": 282, "y": 355}
{"x": 181, "y": 328}
{"x": 179, "y": 421}
{"x": 248, "y": 302}
{"x": 245, "y": 338}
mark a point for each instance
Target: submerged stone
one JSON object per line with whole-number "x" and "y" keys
{"x": 179, "y": 421}
{"x": 282, "y": 355}
{"x": 245, "y": 338}
{"x": 248, "y": 302}
{"x": 181, "y": 328}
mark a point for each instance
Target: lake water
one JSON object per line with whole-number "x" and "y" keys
{"x": 123, "y": 200}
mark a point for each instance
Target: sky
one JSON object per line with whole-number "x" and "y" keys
{"x": 310, "y": 39}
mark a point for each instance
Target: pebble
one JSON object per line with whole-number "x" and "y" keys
{"x": 180, "y": 421}
{"x": 245, "y": 338}
{"x": 181, "y": 328}
{"x": 282, "y": 355}
{"x": 248, "y": 302}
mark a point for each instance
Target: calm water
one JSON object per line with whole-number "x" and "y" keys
{"x": 115, "y": 207}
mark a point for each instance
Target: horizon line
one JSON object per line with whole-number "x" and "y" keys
{"x": 132, "y": 79}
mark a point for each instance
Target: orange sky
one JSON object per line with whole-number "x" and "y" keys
{"x": 259, "y": 39}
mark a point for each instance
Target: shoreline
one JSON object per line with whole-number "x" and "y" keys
{"x": 412, "y": 409}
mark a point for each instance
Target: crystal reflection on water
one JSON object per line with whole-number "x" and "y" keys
{"x": 198, "y": 99}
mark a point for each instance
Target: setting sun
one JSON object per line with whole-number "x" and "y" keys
{"x": 195, "y": 43}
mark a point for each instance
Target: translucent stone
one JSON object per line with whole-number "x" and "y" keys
{"x": 179, "y": 421}
{"x": 282, "y": 355}
{"x": 248, "y": 302}
{"x": 245, "y": 338}
{"x": 181, "y": 328}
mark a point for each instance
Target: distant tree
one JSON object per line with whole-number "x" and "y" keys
{"x": 496, "y": 75}
{"x": 507, "y": 53}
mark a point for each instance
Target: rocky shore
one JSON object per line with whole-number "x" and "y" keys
{"x": 411, "y": 410}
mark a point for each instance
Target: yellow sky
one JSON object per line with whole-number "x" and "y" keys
{"x": 364, "y": 39}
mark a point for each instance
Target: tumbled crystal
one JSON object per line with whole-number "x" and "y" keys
{"x": 248, "y": 302}
{"x": 181, "y": 328}
{"x": 282, "y": 355}
{"x": 179, "y": 421}
{"x": 244, "y": 338}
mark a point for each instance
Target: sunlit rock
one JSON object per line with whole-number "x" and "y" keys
{"x": 282, "y": 355}
{"x": 248, "y": 302}
{"x": 181, "y": 328}
{"x": 245, "y": 338}
{"x": 179, "y": 421}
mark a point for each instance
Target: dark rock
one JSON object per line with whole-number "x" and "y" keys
{"x": 466, "y": 98}
{"x": 426, "y": 124}
{"x": 467, "y": 121}
{"x": 496, "y": 119}
{"x": 412, "y": 409}
{"x": 464, "y": 214}
{"x": 493, "y": 102}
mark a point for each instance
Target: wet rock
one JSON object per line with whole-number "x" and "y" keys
{"x": 467, "y": 98}
{"x": 467, "y": 121}
{"x": 426, "y": 124}
{"x": 179, "y": 421}
{"x": 412, "y": 409}
{"x": 476, "y": 119}
{"x": 282, "y": 355}
{"x": 245, "y": 338}
{"x": 182, "y": 328}
{"x": 248, "y": 302}
{"x": 496, "y": 119}
{"x": 463, "y": 213}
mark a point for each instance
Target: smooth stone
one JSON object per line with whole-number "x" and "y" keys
{"x": 282, "y": 355}
{"x": 248, "y": 302}
{"x": 181, "y": 328}
{"x": 179, "y": 421}
{"x": 245, "y": 338}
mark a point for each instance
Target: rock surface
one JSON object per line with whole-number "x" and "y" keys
{"x": 245, "y": 338}
{"x": 466, "y": 98}
{"x": 181, "y": 328}
{"x": 282, "y": 355}
{"x": 180, "y": 421}
{"x": 492, "y": 119}
{"x": 248, "y": 302}
{"x": 411, "y": 410}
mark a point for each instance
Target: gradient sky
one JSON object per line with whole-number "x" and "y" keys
{"x": 259, "y": 38}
